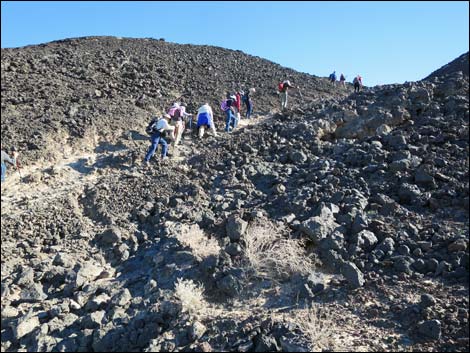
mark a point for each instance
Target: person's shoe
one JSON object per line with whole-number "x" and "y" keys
{"x": 146, "y": 164}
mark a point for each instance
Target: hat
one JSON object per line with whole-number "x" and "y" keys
{"x": 233, "y": 97}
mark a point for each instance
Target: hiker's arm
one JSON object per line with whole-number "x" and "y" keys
{"x": 8, "y": 159}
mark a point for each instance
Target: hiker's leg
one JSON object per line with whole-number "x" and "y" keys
{"x": 228, "y": 120}
{"x": 4, "y": 171}
{"x": 153, "y": 146}
{"x": 201, "y": 131}
{"x": 235, "y": 121}
{"x": 283, "y": 100}
{"x": 212, "y": 126}
{"x": 164, "y": 147}
{"x": 179, "y": 132}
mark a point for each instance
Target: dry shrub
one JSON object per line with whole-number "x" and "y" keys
{"x": 195, "y": 238}
{"x": 317, "y": 324}
{"x": 269, "y": 254}
{"x": 191, "y": 296}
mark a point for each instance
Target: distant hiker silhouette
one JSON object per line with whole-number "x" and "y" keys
{"x": 332, "y": 77}
{"x": 357, "y": 83}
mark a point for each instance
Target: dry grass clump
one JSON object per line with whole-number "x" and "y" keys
{"x": 191, "y": 296}
{"x": 195, "y": 238}
{"x": 269, "y": 254}
{"x": 317, "y": 324}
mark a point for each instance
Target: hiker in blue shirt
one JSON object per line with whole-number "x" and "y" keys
{"x": 332, "y": 77}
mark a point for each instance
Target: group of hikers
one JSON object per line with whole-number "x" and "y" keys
{"x": 173, "y": 123}
{"x": 357, "y": 81}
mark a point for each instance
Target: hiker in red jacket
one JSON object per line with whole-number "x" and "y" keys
{"x": 238, "y": 104}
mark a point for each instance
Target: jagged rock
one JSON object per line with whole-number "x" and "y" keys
{"x": 319, "y": 227}
{"x": 353, "y": 275}
{"x": 196, "y": 331}
{"x": 458, "y": 245}
{"x": 430, "y": 329}
{"x": 366, "y": 239}
{"x": 25, "y": 324}
{"x": 111, "y": 236}
{"x": 33, "y": 292}
{"x": 427, "y": 300}
{"x": 94, "y": 320}
{"x": 123, "y": 297}
{"x": 264, "y": 343}
{"x": 235, "y": 228}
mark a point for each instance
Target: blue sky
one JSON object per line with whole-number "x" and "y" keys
{"x": 384, "y": 42}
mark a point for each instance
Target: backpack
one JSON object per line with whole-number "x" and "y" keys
{"x": 224, "y": 106}
{"x": 176, "y": 114}
{"x": 151, "y": 127}
{"x": 280, "y": 86}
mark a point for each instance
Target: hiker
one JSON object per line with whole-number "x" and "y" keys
{"x": 228, "y": 106}
{"x": 248, "y": 102}
{"x": 283, "y": 88}
{"x": 357, "y": 83}
{"x": 157, "y": 129}
{"x": 238, "y": 104}
{"x": 186, "y": 116}
{"x": 332, "y": 77}
{"x": 178, "y": 113}
{"x": 342, "y": 80}
{"x": 7, "y": 159}
{"x": 205, "y": 118}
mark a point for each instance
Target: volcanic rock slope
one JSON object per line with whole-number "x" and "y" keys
{"x": 459, "y": 64}
{"x": 77, "y": 88}
{"x": 339, "y": 224}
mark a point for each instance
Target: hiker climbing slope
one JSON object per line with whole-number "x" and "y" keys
{"x": 357, "y": 83}
{"x": 7, "y": 159}
{"x": 332, "y": 77}
{"x": 228, "y": 107}
{"x": 283, "y": 89}
{"x": 157, "y": 129}
{"x": 205, "y": 118}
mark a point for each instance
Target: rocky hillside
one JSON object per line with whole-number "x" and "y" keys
{"x": 462, "y": 64}
{"x": 57, "y": 93}
{"x": 341, "y": 224}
